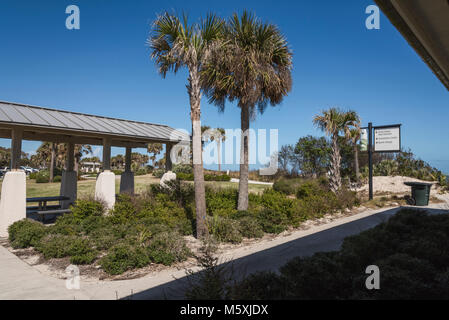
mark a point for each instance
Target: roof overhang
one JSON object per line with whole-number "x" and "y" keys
{"x": 52, "y": 125}
{"x": 425, "y": 26}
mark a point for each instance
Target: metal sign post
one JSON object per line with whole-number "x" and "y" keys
{"x": 370, "y": 159}
{"x": 387, "y": 139}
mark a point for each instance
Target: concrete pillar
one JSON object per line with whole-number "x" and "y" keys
{"x": 69, "y": 178}
{"x": 127, "y": 178}
{"x": 13, "y": 196}
{"x": 16, "y": 148}
{"x": 105, "y": 185}
{"x": 168, "y": 162}
{"x": 106, "y": 154}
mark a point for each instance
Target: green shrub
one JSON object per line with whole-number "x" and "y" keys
{"x": 141, "y": 172}
{"x": 123, "y": 257}
{"x": 57, "y": 179}
{"x": 124, "y": 210}
{"x": 258, "y": 286}
{"x": 224, "y": 229}
{"x": 249, "y": 227}
{"x": 272, "y": 221}
{"x": 86, "y": 208}
{"x": 277, "y": 202}
{"x": 42, "y": 176}
{"x": 310, "y": 189}
{"x": 158, "y": 173}
{"x": 167, "y": 248}
{"x": 66, "y": 225}
{"x": 287, "y": 186}
{"x": 222, "y": 202}
{"x": 184, "y": 176}
{"x": 32, "y": 175}
{"x": 59, "y": 246}
{"x": 26, "y": 233}
{"x": 182, "y": 168}
{"x": 117, "y": 172}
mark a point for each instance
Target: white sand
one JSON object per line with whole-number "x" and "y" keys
{"x": 395, "y": 184}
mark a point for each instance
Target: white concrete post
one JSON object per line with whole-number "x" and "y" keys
{"x": 105, "y": 185}
{"x": 69, "y": 178}
{"x": 127, "y": 178}
{"x": 13, "y": 196}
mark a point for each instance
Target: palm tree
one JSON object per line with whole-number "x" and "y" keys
{"x": 155, "y": 149}
{"x": 252, "y": 66}
{"x": 332, "y": 122}
{"x": 175, "y": 44}
{"x": 219, "y": 137}
{"x": 354, "y": 137}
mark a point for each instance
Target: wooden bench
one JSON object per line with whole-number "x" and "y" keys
{"x": 43, "y": 209}
{"x": 42, "y": 214}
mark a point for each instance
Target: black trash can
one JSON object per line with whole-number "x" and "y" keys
{"x": 420, "y": 193}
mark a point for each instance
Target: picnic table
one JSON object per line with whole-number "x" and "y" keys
{"x": 43, "y": 209}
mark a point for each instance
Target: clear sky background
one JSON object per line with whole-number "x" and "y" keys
{"x": 104, "y": 68}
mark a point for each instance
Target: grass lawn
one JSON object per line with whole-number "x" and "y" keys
{"x": 87, "y": 187}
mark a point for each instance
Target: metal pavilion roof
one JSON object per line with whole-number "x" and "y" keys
{"x": 38, "y": 120}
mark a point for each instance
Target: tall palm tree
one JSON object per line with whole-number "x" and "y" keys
{"x": 332, "y": 122}
{"x": 354, "y": 137}
{"x": 252, "y": 66}
{"x": 175, "y": 44}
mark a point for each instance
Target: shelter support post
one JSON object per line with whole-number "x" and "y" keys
{"x": 127, "y": 178}
{"x": 168, "y": 160}
{"x": 105, "y": 185}
{"x": 13, "y": 196}
{"x": 69, "y": 178}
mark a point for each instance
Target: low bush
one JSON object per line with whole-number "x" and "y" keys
{"x": 123, "y": 257}
{"x": 43, "y": 177}
{"x": 249, "y": 227}
{"x": 57, "y": 179}
{"x": 60, "y": 246}
{"x": 222, "y": 202}
{"x": 167, "y": 248}
{"x": 26, "y": 233}
{"x": 224, "y": 229}
{"x": 184, "y": 176}
{"x": 272, "y": 221}
{"x": 87, "y": 208}
{"x": 141, "y": 172}
{"x": 287, "y": 186}
{"x": 182, "y": 168}
{"x": 158, "y": 173}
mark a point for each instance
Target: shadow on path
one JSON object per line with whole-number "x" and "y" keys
{"x": 273, "y": 258}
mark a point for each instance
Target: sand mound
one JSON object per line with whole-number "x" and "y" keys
{"x": 394, "y": 185}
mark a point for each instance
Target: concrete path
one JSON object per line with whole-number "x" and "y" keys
{"x": 252, "y": 182}
{"x": 18, "y": 280}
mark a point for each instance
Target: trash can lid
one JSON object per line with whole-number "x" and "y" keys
{"x": 417, "y": 184}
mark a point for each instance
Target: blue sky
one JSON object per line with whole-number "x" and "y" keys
{"x": 104, "y": 68}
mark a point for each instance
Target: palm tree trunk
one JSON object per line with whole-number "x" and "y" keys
{"x": 194, "y": 91}
{"x": 335, "y": 177}
{"x": 244, "y": 160}
{"x": 356, "y": 163}
{"x": 52, "y": 160}
{"x": 219, "y": 154}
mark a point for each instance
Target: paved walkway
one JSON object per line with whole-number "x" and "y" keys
{"x": 18, "y": 280}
